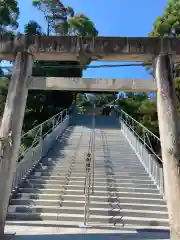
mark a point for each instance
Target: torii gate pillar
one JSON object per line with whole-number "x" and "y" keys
{"x": 10, "y": 130}
{"x": 169, "y": 128}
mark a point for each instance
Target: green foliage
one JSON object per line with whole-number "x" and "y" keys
{"x": 3, "y": 93}
{"x": 104, "y": 98}
{"x": 80, "y": 99}
{"x": 43, "y": 104}
{"x": 81, "y": 25}
{"x": 147, "y": 115}
{"x": 63, "y": 21}
{"x": 33, "y": 28}
{"x": 54, "y": 12}
{"x": 9, "y": 13}
{"x": 142, "y": 109}
{"x": 138, "y": 106}
{"x": 169, "y": 23}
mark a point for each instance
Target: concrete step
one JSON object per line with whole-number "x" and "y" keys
{"x": 51, "y": 227}
{"x": 98, "y": 171}
{"x": 75, "y": 184}
{"x": 79, "y": 190}
{"x": 118, "y": 194}
{"x": 96, "y": 188}
{"x": 123, "y": 191}
{"x": 62, "y": 163}
{"x": 93, "y": 218}
{"x": 118, "y": 211}
{"x": 80, "y": 196}
{"x": 78, "y": 174}
{"x": 119, "y": 160}
{"x": 123, "y": 204}
{"x": 80, "y": 164}
{"x": 103, "y": 178}
{"x": 44, "y": 180}
{"x": 99, "y": 168}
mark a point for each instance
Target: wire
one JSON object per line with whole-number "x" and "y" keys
{"x": 95, "y": 66}
{"x": 91, "y": 66}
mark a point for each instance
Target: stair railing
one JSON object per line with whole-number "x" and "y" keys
{"x": 146, "y": 145}
{"x": 93, "y": 148}
{"x": 89, "y": 173}
{"x": 36, "y": 143}
{"x": 87, "y": 186}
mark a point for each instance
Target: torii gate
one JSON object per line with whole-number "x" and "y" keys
{"x": 159, "y": 51}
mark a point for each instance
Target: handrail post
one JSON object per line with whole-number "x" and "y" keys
{"x": 66, "y": 111}
{"x": 53, "y": 123}
{"x": 41, "y": 138}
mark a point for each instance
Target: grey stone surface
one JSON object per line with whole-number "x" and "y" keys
{"x": 143, "y": 235}
{"x": 124, "y": 198}
{"x": 93, "y": 84}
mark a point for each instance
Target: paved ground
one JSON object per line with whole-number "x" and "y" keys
{"x": 122, "y": 236}
{"x": 30, "y": 232}
{"x": 47, "y": 233}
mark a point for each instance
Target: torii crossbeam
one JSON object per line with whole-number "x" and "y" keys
{"x": 71, "y": 48}
{"x": 93, "y": 84}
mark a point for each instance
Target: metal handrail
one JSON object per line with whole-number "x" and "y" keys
{"x": 146, "y": 129}
{"x": 147, "y": 134}
{"x": 93, "y": 150}
{"x": 87, "y": 182}
{"x": 37, "y": 133}
{"x": 89, "y": 168}
{"x": 48, "y": 120}
{"x": 144, "y": 145}
{"x": 38, "y": 141}
{"x": 87, "y": 197}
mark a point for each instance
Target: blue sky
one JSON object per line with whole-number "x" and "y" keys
{"x": 112, "y": 18}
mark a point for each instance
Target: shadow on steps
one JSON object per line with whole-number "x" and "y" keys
{"x": 139, "y": 234}
{"x": 101, "y": 122}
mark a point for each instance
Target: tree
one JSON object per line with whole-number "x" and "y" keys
{"x": 33, "y": 28}
{"x": 62, "y": 20}
{"x": 43, "y": 104}
{"x": 168, "y": 25}
{"x": 54, "y": 12}
{"x": 147, "y": 115}
{"x": 3, "y": 94}
{"x": 57, "y": 16}
{"x": 81, "y": 25}
{"x": 9, "y": 13}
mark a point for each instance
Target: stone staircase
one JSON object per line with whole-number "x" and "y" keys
{"x": 124, "y": 195}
